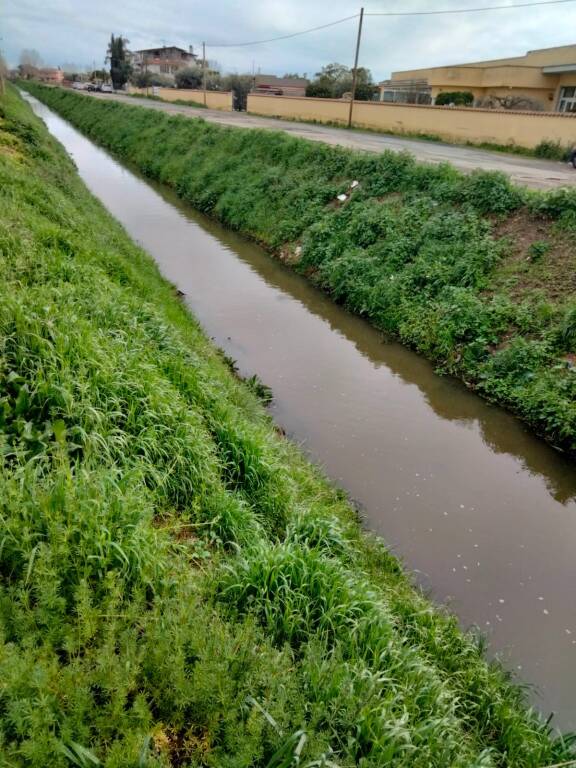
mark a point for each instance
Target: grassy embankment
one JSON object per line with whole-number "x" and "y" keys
{"x": 181, "y": 102}
{"x": 476, "y": 274}
{"x": 179, "y": 587}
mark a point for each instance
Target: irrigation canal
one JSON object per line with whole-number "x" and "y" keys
{"x": 483, "y": 512}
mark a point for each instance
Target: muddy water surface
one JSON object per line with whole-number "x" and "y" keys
{"x": 483, "y": 512}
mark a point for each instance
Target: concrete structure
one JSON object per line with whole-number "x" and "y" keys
{"x": 221, "y": 100}
{"x": 280, "y": 86}
{"x": 542, "y": 79}
{"x": 166, "y": 60}
{"x": 455, "y": 124}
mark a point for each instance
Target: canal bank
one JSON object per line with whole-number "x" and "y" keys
{"x": 478, "y": 507}
{"x": 474, "y": 273}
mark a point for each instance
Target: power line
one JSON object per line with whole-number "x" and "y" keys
{"x": 470, "y": 10}
{"x": 443, "y": 12}
{"x": 286, "y": 37}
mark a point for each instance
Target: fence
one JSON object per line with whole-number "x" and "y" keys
{"x": 214, "y": 99}
{"x": 524, "y": 129}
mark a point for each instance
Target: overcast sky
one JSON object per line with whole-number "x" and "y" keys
{"x": 77, "y": 31}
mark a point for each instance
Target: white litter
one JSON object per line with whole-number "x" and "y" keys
{"x": 354, "y": 184}
{"x": 342, "y": 198}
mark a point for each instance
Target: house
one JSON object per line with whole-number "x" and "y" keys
{"x": 166, "y": 60}
{"x": 280, "y": 86}
{"x": 49, "y": 75}
{"x": 543, "y": 79}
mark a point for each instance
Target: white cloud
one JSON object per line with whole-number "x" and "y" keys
{"x": 77, "y": 30}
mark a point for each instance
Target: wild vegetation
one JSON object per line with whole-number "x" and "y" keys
{"x": 179, "y": 587}
{"x": 442, "y": 260}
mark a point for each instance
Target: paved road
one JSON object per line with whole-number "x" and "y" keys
{"x": 531, "y": 172}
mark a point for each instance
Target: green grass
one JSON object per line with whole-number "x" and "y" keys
{"x": 422, "y": 251}
{"x": 179, "y": 586}
{"x": 152, "y": 97}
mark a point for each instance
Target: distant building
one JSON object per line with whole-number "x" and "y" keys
{"x": 544, "y": 79}
{"x": 280, "y": 86}
{"x": 166, "y": 60}
{"x": 49, "y": 75}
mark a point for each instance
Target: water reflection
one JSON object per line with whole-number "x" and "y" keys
{"x": 448, "y": 397}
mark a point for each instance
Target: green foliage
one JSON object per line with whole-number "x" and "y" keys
{"x": 148, "y": 79}
{"x": 189, "y": 77}
{"x": 120, "y": 67}
{"x": 551, "y": 150}
{"x": 319, "y": 91}
{"x": 568, "y": 329}
{"x": 538, "y": 250}
{"x": 334, "y": 80}
{"x": 458, "y": 98}
{"x": 179, "y": 587}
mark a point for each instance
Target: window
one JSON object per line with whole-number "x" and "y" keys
{"x": 567, "y": 101}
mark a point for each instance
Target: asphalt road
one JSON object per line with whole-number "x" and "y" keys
{"x": 531, "y": 172}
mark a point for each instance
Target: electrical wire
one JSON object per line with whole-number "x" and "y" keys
{"x": 443, "y": 12}
{"x": 283, "y": 37}
{"x": 470, "y": 10}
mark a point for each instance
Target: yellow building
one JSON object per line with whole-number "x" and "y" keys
{"x": 543, "y": 79}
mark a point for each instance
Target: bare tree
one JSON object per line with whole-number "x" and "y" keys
{"x": 513, "y": 102}
{"x": 30, "y": 62}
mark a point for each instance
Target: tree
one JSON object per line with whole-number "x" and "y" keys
{"x": 512, "y": 101}
{"x": 99, "y": 74}
{"x": 147, "y": 79}
{"x": 240, "y": 85}
{"x": 189, "y": 77}
{"x": 30, "y": 63}
{"x": 319, "y": 90}
{"x": 335, "y": 80}
{"x": 120, "y": 67}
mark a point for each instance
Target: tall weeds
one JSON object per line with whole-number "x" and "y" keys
{"x": 178, "y": 586}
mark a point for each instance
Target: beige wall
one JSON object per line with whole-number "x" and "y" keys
{"x": 214, "y": 99}
{"x": 525, "y": 129}
{"x": 323, "y": 110}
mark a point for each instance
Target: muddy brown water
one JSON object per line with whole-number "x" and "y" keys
{"x": 478, "y": 508}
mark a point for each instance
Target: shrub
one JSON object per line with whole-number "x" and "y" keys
{"x": 492, "y": 192}
{"x": 458, "y": 98}
{"x": 552, "y": 150}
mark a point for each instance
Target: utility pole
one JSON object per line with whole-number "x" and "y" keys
{"x": 355, "y": 70}
{"x": 204, "y": 71}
